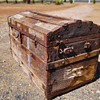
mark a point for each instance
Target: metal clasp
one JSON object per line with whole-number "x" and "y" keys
{"x": 35, "y": 41}
{"x": 87, "y": 46}
{"x": 68, "y": 50}
{"x": 65, "y": 52}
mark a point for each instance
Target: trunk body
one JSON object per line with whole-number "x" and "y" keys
{"x": 58, "y": 54}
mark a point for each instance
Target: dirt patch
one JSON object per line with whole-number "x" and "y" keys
{"x": 76, "y": 12}
{"x": 10, "y": 9}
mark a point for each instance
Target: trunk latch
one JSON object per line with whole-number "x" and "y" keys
{"x": 87, "y": 46}
{"x": 65, "y": 52}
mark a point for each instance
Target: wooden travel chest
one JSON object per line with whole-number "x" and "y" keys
{"x": 58, "y": 54}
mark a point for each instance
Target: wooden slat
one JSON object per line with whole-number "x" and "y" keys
{"x": 56, "y": 17}
{"x": 59, "y": 63}
{"x": 43, "y": 20}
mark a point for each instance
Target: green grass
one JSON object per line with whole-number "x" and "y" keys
{"x": 58, "y": 2}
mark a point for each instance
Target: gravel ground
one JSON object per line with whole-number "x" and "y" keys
{"x": 15, "y": 84}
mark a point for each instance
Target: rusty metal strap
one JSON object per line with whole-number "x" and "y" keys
{"x": 77, "y": 39}
{"x": 62, "y": 62}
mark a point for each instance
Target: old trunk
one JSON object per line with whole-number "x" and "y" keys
{"x": 58, "y": 54}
